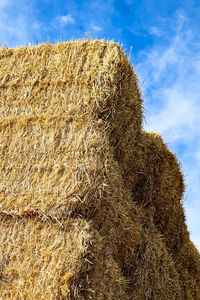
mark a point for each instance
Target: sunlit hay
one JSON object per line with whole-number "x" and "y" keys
{"x": 188, "y": 265}
{"x": 78, "y": 78}
{"x": 157, "y": 182}
{"x": 64, "y": 109}
{"x": 157, "y": 187}
{"x": 152, "y": 274}
{"x": 48, "y": 260}
{"x": 58, "y": 168}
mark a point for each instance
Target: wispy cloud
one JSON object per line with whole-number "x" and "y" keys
{"x": 153, "y": 30}
{"x": 97, "y": 28}
{"x": 67, "y": 19}
{"x": 17, "y": 26}
{"x": 172, "y": 81}
{"x": 4, "y": 3}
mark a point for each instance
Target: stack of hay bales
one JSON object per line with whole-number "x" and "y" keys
{"x": 158, "y": 189}
{"x": 90, "y": 205}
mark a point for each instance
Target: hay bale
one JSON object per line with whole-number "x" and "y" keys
{"x": 152, "y": 274}
{"x": 51, "y": 260}
{"x": 79, "y": 78}
{"x": 64, "y": 107}
{"x": 57, "y": 168}
{"x": 156, "y": 182}
{"x": 157, "y": 187}
{"x": 188, "y": 266}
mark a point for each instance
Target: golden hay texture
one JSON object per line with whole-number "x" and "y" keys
{"x": 66, "y": 176}
{"x": 188, "y": 265}
{"x": 90, "y": 205}
{"x": 58, "y": 134}
{"x": 44, "y": 260}
{"x": 152, "y": 274}
{"x": 81, "y": 79}
{"x": 159, "y": 185}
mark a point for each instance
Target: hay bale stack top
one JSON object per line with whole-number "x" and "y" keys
{"x": 74, "y": 79}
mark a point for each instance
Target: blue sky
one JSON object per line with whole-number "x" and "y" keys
{"x": 165, "y": 40}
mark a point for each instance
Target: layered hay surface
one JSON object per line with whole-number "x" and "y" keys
{"x": 158, "y": 184}
{"x": 156, "y": 181}
{"x": 152, "y": 273}
{"x": 90, "y": 205}
{"x": 63, "y": 111}
{"x": 58, "y": 170}
{"x": 81, "y": 78}
{"x": 51, "y": 260}
{"x": 188, "y": 265}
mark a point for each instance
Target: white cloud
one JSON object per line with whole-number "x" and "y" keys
{"x": 172, "y": 90}
{"x": 155, "y": 31}
{"x": 4, "y": 3}
{"x": 17, "y": 26}
{"x": 67, "y": 19}
{"x": 172, "y": 80}
{"x": 13, "y": 32}
{"x": 36, "y": 25}
{"x": 179, "y": 115}
{"x": 97, "y": 28}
